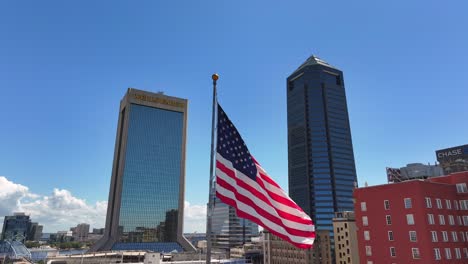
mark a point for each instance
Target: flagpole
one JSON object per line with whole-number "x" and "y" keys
{"x": 211, "y": 198}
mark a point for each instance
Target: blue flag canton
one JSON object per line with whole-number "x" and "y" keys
{"x": 231, "y": 146}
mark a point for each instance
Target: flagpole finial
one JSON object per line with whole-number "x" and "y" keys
{"x": 215, "y": 77}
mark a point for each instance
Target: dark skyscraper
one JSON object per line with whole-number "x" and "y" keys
{"x": 322, "y": 172}
{"x": 146, "y": 197}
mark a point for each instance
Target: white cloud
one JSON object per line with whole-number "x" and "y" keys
{"x": 58, "y": 211}
{"x": 61, "y": 210}
{"x": 194, "y": 218}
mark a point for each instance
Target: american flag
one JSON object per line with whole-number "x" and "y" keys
{"x": 243, "y": 184}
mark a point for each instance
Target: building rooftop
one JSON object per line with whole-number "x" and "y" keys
{"x": 313, "y": 60}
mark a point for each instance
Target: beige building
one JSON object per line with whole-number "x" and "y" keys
{"x": 278, "y": 251}
{"x": 346, "y": 244}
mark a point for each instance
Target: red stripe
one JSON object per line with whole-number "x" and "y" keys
{"x": 279, "y": 198}
{"x": 254, "y": 219}
{"x": 246, "y": 200}
{"x": 262, "y": 197}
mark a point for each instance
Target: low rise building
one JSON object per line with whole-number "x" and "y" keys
{"x": 418, "y": 221}
{"x": 346, "y": 244}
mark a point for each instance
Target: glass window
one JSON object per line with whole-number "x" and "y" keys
{"x": 451, "y": 220}
{"x": 415, "y": 252}
{"x": 444, "y": 236}
{"x": 365, "y": 221}
{"x": 410, "y": 219}
{"x": 386, "y": 204}
{"x": 390, "y": 235}
{"x": 448, "y": 204}
{"x": 412, "y": 235}
{"x": 368, "y": 251}
{"x": 392, "y": 252}
{"x": 441, "y": 220}
{"x": 363, "y": 206}
{"x": 428, "y": 202}
{"x": 454, "y": 236}
{"x": 448, "y": 253}
{"x": 408, "y": 203}
{"x": 455, "y": 204}
{"x": 457, "y": 253}
{"x": 366, "y": 235}
{"x": 434, "y": 236}
{"x": 437, "y": 254}
{"x": 439, "y": 203}
{"x": 461, "y": 188}
{"x": 388, "y": 219}
{"x": 430, "y": 219}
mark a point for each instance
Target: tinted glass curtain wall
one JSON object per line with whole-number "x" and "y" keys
{"x": 146, "y": 197}
{"x": 322, "y": 171}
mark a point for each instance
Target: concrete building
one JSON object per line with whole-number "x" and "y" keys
{"x": 414, "y": 171}
{"x": 146, "y": 197}
{"x": 453, "y": 159}
{"x": 346, "y": 243}
{"x": 418, "y": 221}
{"x": 80, "y": 232}
{"x": 279, "y": 251}
{"x": 35, "y": 232}
{"x": 322, "y": 173}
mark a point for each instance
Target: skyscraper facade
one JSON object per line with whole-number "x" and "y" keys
{"x": 16, "y": 227}
{"x": 228, "y": 230}
{"x": 322, "y": 173}
{"x": 146, "y": 197}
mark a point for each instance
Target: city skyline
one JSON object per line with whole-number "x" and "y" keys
{"x": 61, "y": 79}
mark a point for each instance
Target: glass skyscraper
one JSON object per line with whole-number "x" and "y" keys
{"x": 322, "y": 173}
{"x": 146, "y": 197}
{"x": 229, "y": 230}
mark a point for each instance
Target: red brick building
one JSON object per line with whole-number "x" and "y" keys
{"x": 417, "y": 221}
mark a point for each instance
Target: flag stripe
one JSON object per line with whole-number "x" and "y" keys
{"x": 262, "y": 208}
{"x": 256, "y": 187}
{"x": 229, "y": 198}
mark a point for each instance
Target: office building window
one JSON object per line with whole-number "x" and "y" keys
{"x": 387, "y": 204}
{"x": 389, "y": 219}
{"x": 463, "y": 204}
{"x": 412, "y": 235}
{"x": 448, "y": 253}
{"x": 454, "y": 236}
{"x": 430, "y": 219}
{"x": 366, "y": 235}
{"x": 434, "y": 236}
{"x": 428, "y": 202}
{"x": 459, "y": 220}
{"x": 465, "y": 220}
{"x": 408, "y": 203}
{"x": 363, "y": 206}
{"x": 390, "y": 235}
{"x": 448, "y": 204}
{"x": 441, "y": 220}
{"x": 368, "y": 251}
{"x": 457, "y": 253}
{"x": 462, "y": 234}
{"x": 415, "y": 252}
{"x": 455, "y": 204}
{"x": 461, "y": 188}
{"x": 444, "y": 236}
{"x": 451, "y": 220}
{"x": 439, "y": 203}
{"x": 392, "y": 252}
{"x": 437, "y": 254}
{"x": 365, "y": 221}
{"x": 410, "y": 219}
{"x": 465, "y": 251}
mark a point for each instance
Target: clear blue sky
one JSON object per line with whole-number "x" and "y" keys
{"x": 64, "y": 66}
